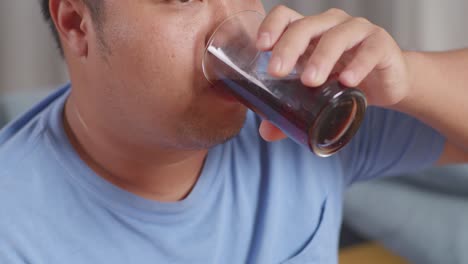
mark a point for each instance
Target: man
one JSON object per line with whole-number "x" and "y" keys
{"x": 139, "y": 161}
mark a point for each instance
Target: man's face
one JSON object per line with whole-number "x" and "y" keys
{"x": 145, "y": 78}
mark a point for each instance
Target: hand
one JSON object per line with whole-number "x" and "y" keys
{"x": 362, "y": 54}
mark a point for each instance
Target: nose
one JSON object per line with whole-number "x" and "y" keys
{"x": 220, "y": 11}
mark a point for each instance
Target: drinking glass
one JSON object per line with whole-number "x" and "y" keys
{"x": 322, "y": 118}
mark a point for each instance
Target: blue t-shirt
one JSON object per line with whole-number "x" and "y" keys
{"x": 255, "y": 202}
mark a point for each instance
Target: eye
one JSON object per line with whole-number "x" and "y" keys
{"x": 181, "y": 1}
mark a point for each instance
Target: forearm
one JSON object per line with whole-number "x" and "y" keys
{"x": 439, "y": 92}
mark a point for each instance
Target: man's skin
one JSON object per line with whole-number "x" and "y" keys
{"x": 143, "y": 117}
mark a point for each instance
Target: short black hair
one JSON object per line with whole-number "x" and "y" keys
{"x": 94, "y": 6}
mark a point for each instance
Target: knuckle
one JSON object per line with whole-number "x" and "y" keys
{"x": 299, "y": 24}
{"x": 380, "y": 31}
{"x": 361, "y": 20}
{"x": 337, "y": 12}
{"x": 372, "y": 47}
{"x": 331, "y": 35}
{"x": 380, "y": 34}
{"x": 281, "y": 9}
{"x": 333, "y": 32}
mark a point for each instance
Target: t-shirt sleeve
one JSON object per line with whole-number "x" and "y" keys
{"x": 390, "y": 143}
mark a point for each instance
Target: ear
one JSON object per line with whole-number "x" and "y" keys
{"x": 73, "y": 22}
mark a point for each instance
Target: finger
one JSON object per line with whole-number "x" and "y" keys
{"x": 274, "y": 25}
{"x": 298, "y": 36}
{"x": 332, "y": 45}
{"x": 270, "y": 132}
{"x": 368, "y": 56}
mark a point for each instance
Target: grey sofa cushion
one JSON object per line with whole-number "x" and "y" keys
{"x": 421, "y": 217}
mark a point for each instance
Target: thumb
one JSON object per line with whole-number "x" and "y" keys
{"x": 270, "y": 132}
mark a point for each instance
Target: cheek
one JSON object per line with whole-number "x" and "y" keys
{"x": 172, "y": 60}
{"x": 156, "y": 67}
{"x": 177, "y": 52}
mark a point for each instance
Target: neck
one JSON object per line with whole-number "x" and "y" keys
{"x": 160, "y": 174}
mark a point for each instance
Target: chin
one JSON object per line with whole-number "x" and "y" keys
{"x": 205, "y": 132}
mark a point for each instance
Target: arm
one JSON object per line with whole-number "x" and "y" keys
{"x": 439, "y": 97}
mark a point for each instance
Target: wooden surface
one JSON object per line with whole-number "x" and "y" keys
{"x": 369, "y": 253}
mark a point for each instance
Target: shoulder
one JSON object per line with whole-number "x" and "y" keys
{"x": 25, "y": 163}
{"x": 283, "y": 162}
{"x": 21, "y": 137}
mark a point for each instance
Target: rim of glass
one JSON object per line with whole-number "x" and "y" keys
{"x": 210, "y": 40}
{"x": 352, "y": 127}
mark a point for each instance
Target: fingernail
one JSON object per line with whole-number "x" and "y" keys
{"x": 276, "y": 64}
{"x": 264, "y": 40}
{"x": 310, "y": 74}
